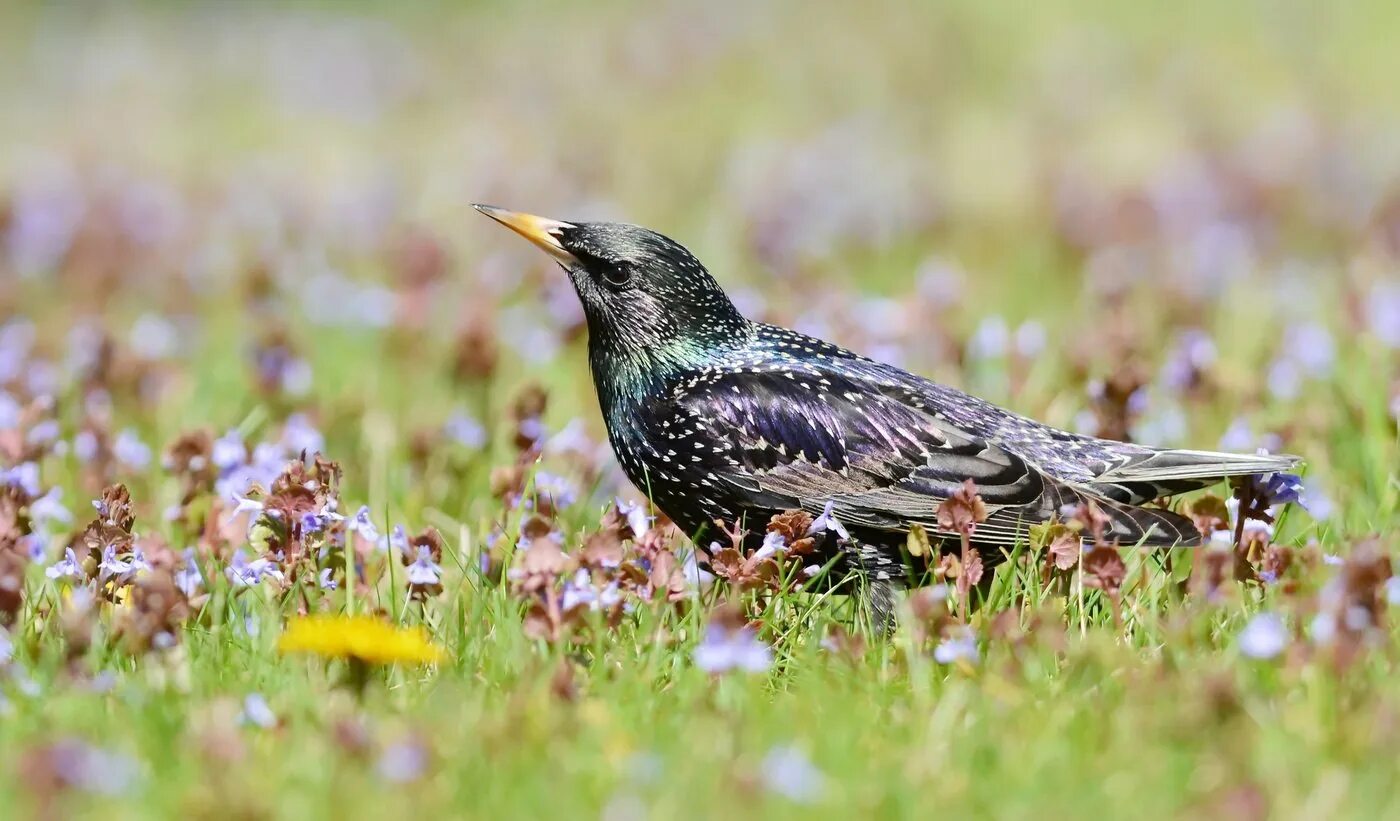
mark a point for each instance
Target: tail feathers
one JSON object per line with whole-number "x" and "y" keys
{"x": 1149, "y": 526}
{"x": 1169, "y": 472}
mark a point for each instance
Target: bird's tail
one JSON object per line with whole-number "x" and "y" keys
{"x": 1165, "y": 473}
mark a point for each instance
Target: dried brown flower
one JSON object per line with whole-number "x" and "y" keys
{"x": 963, "y": 511}
{"x": 1210, "y": 514}
{"x": 1104, "y": 570}
{"x": 155, "y": 613}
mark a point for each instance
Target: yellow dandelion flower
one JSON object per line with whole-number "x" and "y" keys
{"x": 359, "y": 638}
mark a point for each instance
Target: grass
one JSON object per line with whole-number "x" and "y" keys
{"x": 951, "y": 138}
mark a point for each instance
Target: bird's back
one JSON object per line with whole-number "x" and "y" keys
{"x": 788, "y": 421}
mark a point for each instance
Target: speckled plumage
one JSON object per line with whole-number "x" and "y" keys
{"x": 715, "y": 416}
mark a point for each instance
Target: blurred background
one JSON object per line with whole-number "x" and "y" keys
{"x": 1176, "y": 225}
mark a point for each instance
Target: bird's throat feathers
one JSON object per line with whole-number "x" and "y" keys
{"x": 627, "y": 375}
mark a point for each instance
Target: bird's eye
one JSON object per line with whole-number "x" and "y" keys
{"x": 617, "y": 274}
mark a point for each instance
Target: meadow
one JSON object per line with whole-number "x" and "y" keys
{"x": 306, "y": 508}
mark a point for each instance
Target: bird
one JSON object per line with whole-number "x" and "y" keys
{"x": 719, "y": 418}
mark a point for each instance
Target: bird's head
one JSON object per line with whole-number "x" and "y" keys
{"x": 646, "y": 297}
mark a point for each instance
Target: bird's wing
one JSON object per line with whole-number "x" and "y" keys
{"x": 805, "y": 436}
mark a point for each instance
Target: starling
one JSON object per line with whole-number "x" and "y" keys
{"x": 719, "y": 418}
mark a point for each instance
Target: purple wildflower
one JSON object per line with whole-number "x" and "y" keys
{"x": 424, "y": 572}
{"x": 465, "y": 431}
{"x": 738, "y": 648}
{"x": 1311, "y": 347}
{"x": 325, "y": 580}
{"x": 9, "y": 411}
{"x": 637, "y": 518}
{"x": 1264, "y": 637}
{"x": 188, "y": 578}
{"x": 1030, "y": 339}
{"x": 35, "y": 547}
{"x": 1238, "y": 438}
{"x": 773, "y": 544}
{"x": 1279, "y": 488}
{"x": 788, "y": 772}
{"x": 85, "y": 446}
{"x": 557, "y": 489}
{"x": 300, "y": 436}
{"x": 229, "y": 451}
{"x": 1193, "y": 353}
{"x": 91, "y": 769}
{"x": 961, "y": 648}
{"x": 24, "y": 476}
{"x": 363, "y": 525}
{"x": 111, "y": 567}
{"x": 257, "y": 712}
{"x": 244, "y": 573}
{"x": 1383, "y": 313}
{"x": 130, "y": 451}
{"x": 67, "y": 567}
{"x": 1285, "y": 380}
{"x": 990, "y": 340}
{"x": 403, "y": 761}
{"x": 43, "y": 434}
{"x": 48, "y": 509}
{"x": 828, "y": 521}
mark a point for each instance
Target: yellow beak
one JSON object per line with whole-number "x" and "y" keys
{"x": 542, "y": 231}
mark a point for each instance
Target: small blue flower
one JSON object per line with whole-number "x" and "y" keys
{"x": 48, "y": 509}
{"x": 300, "y": 436}
{"x": 85, "y": 446}
{"x": 1311, "y": 347}
{"x": 424, "y": 572}
{"x": 188, "y": 578}
{"x": 1238, "y": 438}
{"x": 1281, "y": 488}
{"x": 91, "y": 769}
{"x": 257, "y": 712}
{"x": 1315, "y": 501}
{"x": 723, "y": 649}
{"x": 559, "y": 490}
{"x": 44, "y": 433}
{"x": 956, "y": 648}
{"x": 990, "y": 340}
{"x": 1285, "y": 380}
{"x": 1383, "y": 313}
{"x": 403, "y": 762}
{"x": 111, "y": 567}
{"x": 788, "y": 772}
{"x": 242, "y": 504}
{"x": 773, "y": 544}
{"x": 228, "y": 451}
{"x": 324, "y": 579}
{"x": 637, "y": 518}
{"x": 244, "y": 573}
{"x": 362, "y": 524}
{"x": 828, "y": 521}
{"x": 1193, "y": 353}
{"x": 465, "y": 431}
{"x": 24, "y": 476}
{"x": 67, "y": 567}
{"x": 35, "y": 547}
{"x": 138, "y": 561}
{"x": 1264, "y": 637}
{"x": 130, "y": 451}
{"x": 10, "y": 411}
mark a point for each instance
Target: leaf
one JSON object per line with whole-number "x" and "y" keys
{"x": 917, "y": 541}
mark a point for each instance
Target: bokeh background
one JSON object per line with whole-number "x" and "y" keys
{"x": 233, "y": 235}
{"x": 1167, "y": 224}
